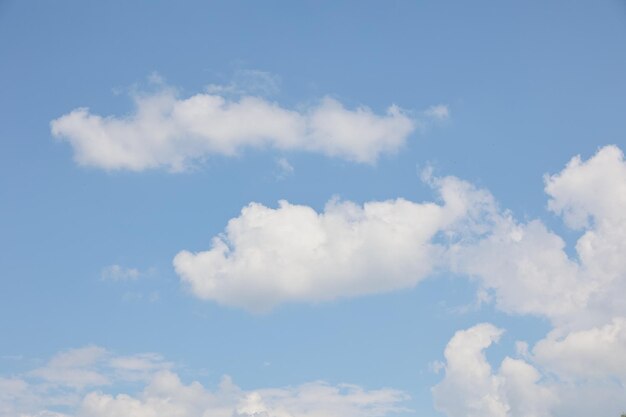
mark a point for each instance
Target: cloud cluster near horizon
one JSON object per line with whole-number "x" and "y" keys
{"x": 86, "y": 382}
{"x": 172, "y": 132}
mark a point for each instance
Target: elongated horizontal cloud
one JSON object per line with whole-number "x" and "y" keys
{"x": 292, "y": 253}
{"x": 94, "y": 366}
{"x": 164, "y": 394}
{"x": 166, "y": 131}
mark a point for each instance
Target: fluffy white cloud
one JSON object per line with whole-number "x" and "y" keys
{"x": 597, "y": 352}
{"x": 471, "y": 389}
{"x": 171, "y": 132}
{"x": 292, "y": 253}
{"x": 528, "y": 266}
{"x": 581, "y": 361}
{"x": 164, "y": 394}
{"x": 521, "y": 389}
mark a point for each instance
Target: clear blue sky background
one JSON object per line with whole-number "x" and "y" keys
{"x": 528, "y": 84}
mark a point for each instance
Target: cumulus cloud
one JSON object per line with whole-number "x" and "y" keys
{"x": 167, "y": 131}
{"x": 593, "y": 353}
{"x": 471, "y": 388}
{"x": 550, "y": 387}
{"x": 293, "y": 253}
{"x": 527, "y": 265}
{"x": 164, "y": 394}
{"x": 268, "y": 255}
{"x": 580, "y": 362}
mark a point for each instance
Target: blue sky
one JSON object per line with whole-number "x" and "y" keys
{"x": 351, "y": 103}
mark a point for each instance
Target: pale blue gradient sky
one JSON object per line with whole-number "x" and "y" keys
{"x": 528, "y": 85}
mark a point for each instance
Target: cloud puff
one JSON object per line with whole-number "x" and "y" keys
{"x": 596, "y": 352}
{"x": 439, "y": 112}
{"x": 571, "y": 377}
{"x": 164, "y": 394}
{"x": 527, "y": 265}
{"x": 119, "y": 273}
{"x": 292, "y": 253}
{"x": 470, "y": 388}
{"x": 166, "y": 131}
{"x": 580, "y": 362}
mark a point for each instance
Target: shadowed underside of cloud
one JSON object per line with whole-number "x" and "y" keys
{"x": 74, "y": 382}
{"x": 166, "y": 131}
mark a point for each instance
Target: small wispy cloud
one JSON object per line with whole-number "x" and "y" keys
{"x": 438, "y": 113}
{"x": 119, "y": 273}
{"x": 86, "y": 382}
{"x": 248, "y": 81}
{"x": 285, "y": 168}
{"x": 173, "y": 132}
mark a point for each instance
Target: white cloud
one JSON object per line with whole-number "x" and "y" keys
{"x": 597, "y": 352}
{"x": 471, "y": 388}
{"x": 292, "y": 253}
{"x": 119, "y": 273}
{"x": 166, "y": 131}
{"x": 571, "y": 377}
{"x": 593, "y": 189}
{"x": 167, "y": 395}
{"x": 74, "y": 368}
{"x": 285, "y": 168}
{"x": 439, "y": 112}
{"x": 248, "y": 82}
{"x": 580, "y": 362}
{"x": 164, "y": 394}
{"x": 527, "y": 265}
{"x": 94, "y": 366}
